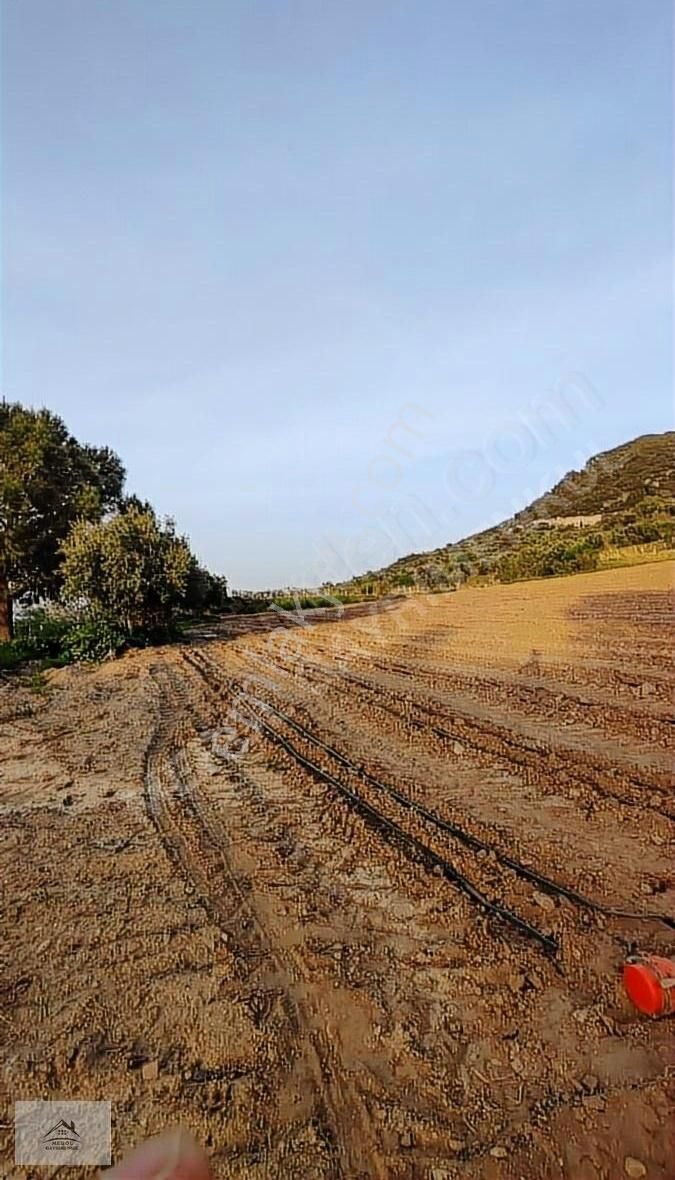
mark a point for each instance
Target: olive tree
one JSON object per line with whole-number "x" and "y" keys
{"x": 131, "y": 568}
{"x": 48, "y": 480}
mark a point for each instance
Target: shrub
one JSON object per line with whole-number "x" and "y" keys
{"x": 92, "y": 639}
{"x": 42, "y": 632}
{"x": 54, "y": 637}
{"x": 11, "y": 655}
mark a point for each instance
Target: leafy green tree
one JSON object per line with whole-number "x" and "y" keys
{"x": 47, "y": 481}
{"x": 204, "y": 590}
{"x": 131, "y": 568}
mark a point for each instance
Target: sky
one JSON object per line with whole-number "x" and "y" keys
{"x": 339, "y": 281}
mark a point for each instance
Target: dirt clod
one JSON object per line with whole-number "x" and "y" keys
{"x": 634, "y": 1168}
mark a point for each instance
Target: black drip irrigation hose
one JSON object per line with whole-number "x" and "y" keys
{"x": 546, "y": 883}
{"x": 410, "y": 844}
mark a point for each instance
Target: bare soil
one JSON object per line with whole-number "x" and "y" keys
{"x": 350, "y": 896}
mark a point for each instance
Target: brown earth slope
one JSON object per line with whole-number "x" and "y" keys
{"x": 352, "y": 899}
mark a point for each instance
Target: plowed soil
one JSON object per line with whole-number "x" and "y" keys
{"x": 350, "y": 896}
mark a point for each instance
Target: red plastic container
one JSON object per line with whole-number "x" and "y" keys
{"x": 650, "y": 983}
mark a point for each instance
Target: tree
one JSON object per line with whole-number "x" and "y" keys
{"x": 130, "y": 568}
{"x": 204, "y": 590}
{"x": 47, "y": 481}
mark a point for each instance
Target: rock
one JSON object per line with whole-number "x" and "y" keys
{"x": 594, "y": 1102}
{"x": 499, "y": 1153}
{"x": 150, "y": 1071}
{"x": 515, "y": 982}
{"x": 544, "y": 901}
{"x": 406, "y": 1139}
{"x": 634, "y": 1168}
{"x": 457, "y": 748}
{"x": 590, "y": 1082}
{"x": 67, "y": 800}
{"x": 516, "y": 1064}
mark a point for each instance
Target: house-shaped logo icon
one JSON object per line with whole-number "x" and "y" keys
{"x": 62, "y": 1137}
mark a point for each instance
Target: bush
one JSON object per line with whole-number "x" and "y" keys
{"x": 54, "y": 637}
{"x": 11, "y": 655}
{"x": 42, "y": 632}
{"x": 91, "y": 640}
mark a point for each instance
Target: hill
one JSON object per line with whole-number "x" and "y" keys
{"x": 622, "y": 497}
{"x": 612, "y": 480}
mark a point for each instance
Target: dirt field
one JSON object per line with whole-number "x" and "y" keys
{"x": 351, "y": 898}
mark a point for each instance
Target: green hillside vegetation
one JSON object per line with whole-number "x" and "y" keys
{"x": 628, "y": 493}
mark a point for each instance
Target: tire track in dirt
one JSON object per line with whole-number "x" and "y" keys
{"x": 197, "y": 845}
{"x": 415, "y": 840}
{"x": 550, "y": 1098}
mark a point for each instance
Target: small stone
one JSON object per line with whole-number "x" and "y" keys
{"x": 457, "y": 748}
{"x": 590, "y": 1082}
{"x": 406, "y": 1139}
{"x": 499, "y": 1153}
{"x": 150, "y": 1071}
{"x": 594, "y": 1102}
{"x": 67, "y": 800}
{"x": 544, "y": 901}
{"x": 634, "y": 1168}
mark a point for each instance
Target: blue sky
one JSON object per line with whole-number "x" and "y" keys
{"x": 240, "y": 237}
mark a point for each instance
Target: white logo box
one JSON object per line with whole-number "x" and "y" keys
{"x": 62, "y": 1133}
